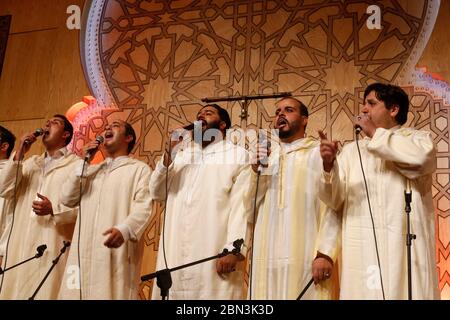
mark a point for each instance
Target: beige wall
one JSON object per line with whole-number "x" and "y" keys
{"x": 42, "y": 73}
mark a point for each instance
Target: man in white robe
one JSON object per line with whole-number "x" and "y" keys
{"x": 373, "y": 263}
{"x": 36, "y": 219}
{"x": 7, "y": 141}
{"x": 292, "y": 243}
{"x": 205, "y": 211}
{"x": 115, "y": 209}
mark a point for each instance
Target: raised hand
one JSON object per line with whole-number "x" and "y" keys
{"x": 328, "y": 151}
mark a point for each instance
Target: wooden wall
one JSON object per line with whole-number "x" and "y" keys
{"x": 42, "y": 73}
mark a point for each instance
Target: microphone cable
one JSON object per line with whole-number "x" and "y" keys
{"x": 166, "y": 187}
{"x": 79, "y": 228}
{"x": 250, "y": 280}
{"x": 163, "y": 213}
{"x": 267, "y": 144}
{"x": 371, "y": 216}
{"x": 12, "y": 221}
{"x": 88, "y": 156}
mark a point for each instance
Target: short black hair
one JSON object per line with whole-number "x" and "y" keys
{"x": 129, "y": 131}
{"x": 391, "y": 95}
{"x": 223, "y": 114}
{"x": 67, "y": 127}
{"x": 303, "y": 109}
{"x": 6, "y": 136}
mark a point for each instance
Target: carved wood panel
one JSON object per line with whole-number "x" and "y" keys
{"x": 157, "y": 59}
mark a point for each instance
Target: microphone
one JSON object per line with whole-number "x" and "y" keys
{"x": 40, "y": 250}
{"x": 191, "y": 126}
{"x": 90, "y": 153}
{"x": 264, "y": 142}
{"x": 38, "y": 132}
{"x": 358, "y": 128}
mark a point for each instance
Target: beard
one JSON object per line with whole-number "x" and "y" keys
{"x": 208, "y": 136}
{"x": 285, "y": 134}
{"x": 293, "y": 128}
{"x": 212, "y": 125}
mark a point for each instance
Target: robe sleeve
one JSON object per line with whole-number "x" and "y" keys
{"x": 261, "y": 187}
{"x": 8, "y": 177}
{"x": 328, "y": 240}
{"x": 70, "y": 193}
{"x": 64, "y": 215}
{"x": 332, "y": 186}
{"x": 412, "y": 151}
{"x": 66, "y": 210}
{"x": 5, "y": 234}
{"x": 158, "y": 180}
{"x": 328, "y": 237}
{"x": 239, "y": 213}
{"x": 141, "y": 207}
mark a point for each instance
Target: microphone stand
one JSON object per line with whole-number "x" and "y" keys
{"x": 54, "y": 262}
{"x": 409, "y": 235}
{"x": 164, "y": 280}
{"x": 305, "y": 289}
{"x": 40, "y": 252}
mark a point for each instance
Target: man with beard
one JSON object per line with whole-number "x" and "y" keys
{"x": 7, "y": 141}
{"x": 115, "y": 210}
{"x": 205, "y": 210}
{"x": 293, "y": 243}
{"x": 38, "y": 218}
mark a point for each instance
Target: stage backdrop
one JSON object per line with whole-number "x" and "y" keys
{"x": 151, "y": 62}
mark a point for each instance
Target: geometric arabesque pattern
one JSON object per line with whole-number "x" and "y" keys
{"x": 159, "y": 58}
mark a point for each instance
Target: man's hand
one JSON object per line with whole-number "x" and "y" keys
{"x": 261, "y": 158}
{"x": 321, "y": 267}
{"x": 227, "y": 264}
{"x": 25, "y": 144}
{"x": 42, "y": 207}
{"x": 328, "y": 151}
{"x": 91, "y": 147}
{"x": 115, "y": 239}
{"x": 175, "y": 138}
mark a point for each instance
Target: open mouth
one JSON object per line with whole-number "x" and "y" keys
{"x": 203, "y": 121}
{"x": 108, "y": 135}
{"x": 46, "y": 132}
{"x": 281, "y": 123}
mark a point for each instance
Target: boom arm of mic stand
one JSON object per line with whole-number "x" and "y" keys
{"x": 164, "y": 280}
{"x": 54, "y": 262}
{"x": 38, "y": 254}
